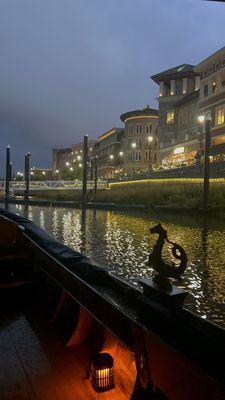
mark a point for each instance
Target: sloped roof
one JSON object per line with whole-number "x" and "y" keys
{"x": 147, "y": 111}
{"x": 178, "y": 71}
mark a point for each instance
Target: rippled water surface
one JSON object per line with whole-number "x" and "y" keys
{"x": 121, "y": 243}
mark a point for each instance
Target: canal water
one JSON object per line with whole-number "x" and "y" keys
{"x": 120, "y": 242}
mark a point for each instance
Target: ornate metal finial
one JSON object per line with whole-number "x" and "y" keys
{"x": 164, "y": 270}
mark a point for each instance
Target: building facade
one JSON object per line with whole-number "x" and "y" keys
{"x": 140, "y": 140}
{"x": 212, "y": 100}
{"x": 178, "y": 133}
{"x": 61, "y": 159}
{"x": 68, "y": 162}
{"x": 109, "y": 150}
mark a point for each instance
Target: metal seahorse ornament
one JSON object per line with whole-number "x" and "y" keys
{"x": 163, "y": 269}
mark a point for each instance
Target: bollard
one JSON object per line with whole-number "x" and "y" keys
{"x": 85, "y": 170}
{"x": 7, "y": 178}
{"x": 27, "y": 177}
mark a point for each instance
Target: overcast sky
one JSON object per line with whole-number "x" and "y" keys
{"x": 71, "y": 67}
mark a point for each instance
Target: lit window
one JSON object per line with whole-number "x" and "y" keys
{"x": 170, "y": 117}
{"x": 220, "y": 115}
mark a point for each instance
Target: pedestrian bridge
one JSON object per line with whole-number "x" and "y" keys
{"x": 19, "y": 186}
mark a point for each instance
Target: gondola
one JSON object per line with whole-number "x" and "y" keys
{"x": 70, "y": 329}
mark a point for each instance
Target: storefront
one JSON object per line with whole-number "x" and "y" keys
{"x": 179, "y": 155}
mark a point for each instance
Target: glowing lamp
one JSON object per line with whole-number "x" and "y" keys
{"x": 102, "y": 374}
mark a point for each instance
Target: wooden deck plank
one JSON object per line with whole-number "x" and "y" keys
{"x": 14, "y": 384}
{"x": 53, "y": 371}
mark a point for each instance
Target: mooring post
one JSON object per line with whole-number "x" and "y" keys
{"x": 85, "y": 170}
{"x": 96, "y": 173}
{"x": 27, "y": 177}
{"x": 207, "y": 161}
{"x": 7, "y": 175}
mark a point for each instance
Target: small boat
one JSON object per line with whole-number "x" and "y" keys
{"x": 70, "y": 329}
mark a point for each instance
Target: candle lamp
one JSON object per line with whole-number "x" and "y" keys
{"x": 102, "y": 374}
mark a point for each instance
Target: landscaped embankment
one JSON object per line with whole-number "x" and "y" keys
{"x": 185, "y": 193}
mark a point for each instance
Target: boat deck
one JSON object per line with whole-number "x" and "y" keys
{"x": 35, "y": 364}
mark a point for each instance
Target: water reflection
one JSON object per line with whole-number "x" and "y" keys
{"x": 121, "y": 243}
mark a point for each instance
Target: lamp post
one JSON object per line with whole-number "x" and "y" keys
{"x": 121, "y": 154}
{"x": 150, "y": 140}
{"x": 85, "y": 169}
{"x": 7, "y": 178}
{"x": 27, "y": 177}
{"x": 111, "y": 158}
{"x": 133, "y": 145}
{"x": 207, "y": 120}
{"x": 96, "y": 173}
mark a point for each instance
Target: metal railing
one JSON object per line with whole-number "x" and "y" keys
{"x": 52, "y": 185}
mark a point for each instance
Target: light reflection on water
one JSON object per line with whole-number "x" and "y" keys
{"x": 121, "y": 243}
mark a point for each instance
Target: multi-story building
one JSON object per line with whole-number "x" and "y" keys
{"x": 109, "y": 150}
{"x": 140, "y": 139}
{"x": 62, "y": 159}
{"x": 212, "y": 99}
{"x": 178, "y": 132}
{"x": 70, "y": 159}
{"x": 41, "y": 174}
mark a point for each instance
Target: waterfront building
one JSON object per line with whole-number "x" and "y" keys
{"x": 67, "y": 162}
{"x": 41, "y": 174}
{"x": 62, "y": 159}
{"x": 140, "y": 140}
{"x": 179, "y": 137}
{"x": 183, "y": 149}
{"x": 212, "y": 100}
{"x": 110, "y": 153}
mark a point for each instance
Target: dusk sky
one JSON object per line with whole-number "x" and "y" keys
{"x": 71, "y": 67}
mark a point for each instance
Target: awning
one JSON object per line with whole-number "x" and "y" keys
{"x": 219, "y": 149}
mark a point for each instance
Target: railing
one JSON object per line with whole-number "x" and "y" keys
{"x": 52, "y": 185}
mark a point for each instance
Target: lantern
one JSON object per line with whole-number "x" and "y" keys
{"x": 102, "y": 376}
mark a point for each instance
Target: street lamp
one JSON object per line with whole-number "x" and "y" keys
{"x": 111, "y": 158}
{"x": 133, "y": 145}
{"x": 206, "y": 119}
{"x": 150, "y": 140}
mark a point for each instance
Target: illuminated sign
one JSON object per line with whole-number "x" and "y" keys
{"x": 178, "y": 150}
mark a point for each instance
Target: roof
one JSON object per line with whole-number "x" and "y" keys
{"x": 179, "y": 71}
{"x": 189, "y": 97}
{"x": 67, "y": 150}
{"x": 109, "y": 133}
{"x": 201, "y": 66}
{"x": 147, "y": 111}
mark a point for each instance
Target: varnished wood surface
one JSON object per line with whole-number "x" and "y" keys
{"x": 34, "y": 364}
